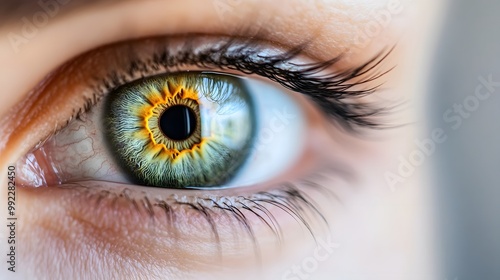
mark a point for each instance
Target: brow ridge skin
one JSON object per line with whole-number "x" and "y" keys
{"x": 12, "y": 11}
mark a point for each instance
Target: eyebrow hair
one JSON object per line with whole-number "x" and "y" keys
{"x": 15, "y": 10}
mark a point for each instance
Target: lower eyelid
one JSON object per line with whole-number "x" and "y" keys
{"x": 109, "y": 214}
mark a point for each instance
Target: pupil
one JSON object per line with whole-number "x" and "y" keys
{"x": 178, "y": 122}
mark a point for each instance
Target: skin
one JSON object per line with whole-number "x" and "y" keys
{"x": 379, "y": 232}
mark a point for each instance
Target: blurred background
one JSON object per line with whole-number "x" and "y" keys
{"x": 467, "y": 166}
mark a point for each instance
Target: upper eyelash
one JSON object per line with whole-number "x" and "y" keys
{"x": 334, "y": 92}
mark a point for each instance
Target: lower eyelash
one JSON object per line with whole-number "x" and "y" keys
{"x": 289, "y": 198}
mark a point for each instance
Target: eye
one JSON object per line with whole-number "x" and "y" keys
{"x": 178, "y": 130}
{"x": 157, "y": 114}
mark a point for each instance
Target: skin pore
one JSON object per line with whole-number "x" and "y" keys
{"x": 374, "y": 233}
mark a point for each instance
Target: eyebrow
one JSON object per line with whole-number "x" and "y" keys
{"x": 13, "y": 11}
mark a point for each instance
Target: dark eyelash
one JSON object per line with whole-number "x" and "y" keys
{"x": 334, "y": 92}
{"x": 289, "y": 198}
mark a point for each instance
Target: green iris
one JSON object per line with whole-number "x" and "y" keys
{"x": 181, "y": 130}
